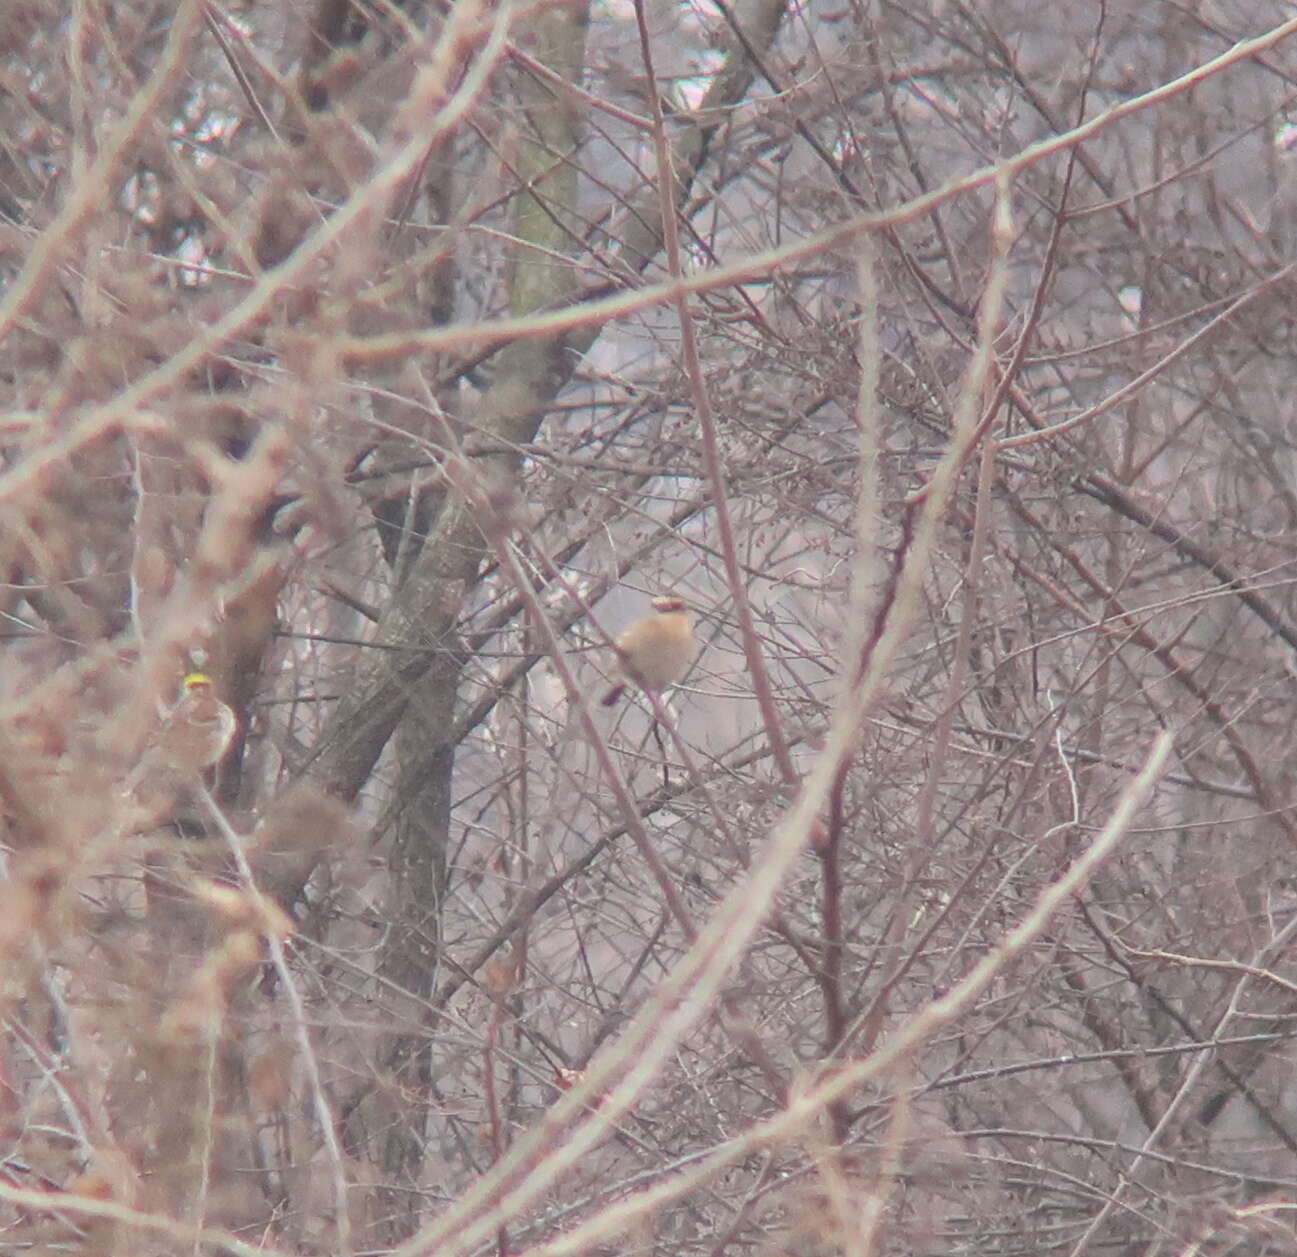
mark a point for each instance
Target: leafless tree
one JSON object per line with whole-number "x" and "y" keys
{"x": 381, "y": 360}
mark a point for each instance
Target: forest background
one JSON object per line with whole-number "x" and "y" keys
{"x": 383, "y": 360}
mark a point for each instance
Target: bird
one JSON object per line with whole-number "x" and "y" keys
{"x": 655, "y": 651}
{"x": 198, "y": 730}
{"x": 190, "y": 738}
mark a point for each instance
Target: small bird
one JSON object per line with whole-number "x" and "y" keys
{"x": 199, "y": 728}
{"x": 655, "y": 652}
{"x": 189, "y": 739}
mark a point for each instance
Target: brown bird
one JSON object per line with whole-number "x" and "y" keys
{"x": 655, "y": 652}
{"x": 199, "y": 728}
{"x": 191, "y": 738}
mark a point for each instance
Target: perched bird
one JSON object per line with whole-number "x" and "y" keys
{"x": 198, "y": 730}
{"x": 189, "y": 739}
{"x": 655, "y": 651}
